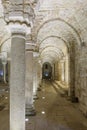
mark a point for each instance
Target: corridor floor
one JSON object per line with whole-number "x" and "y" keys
{"x": 55, "y": 112}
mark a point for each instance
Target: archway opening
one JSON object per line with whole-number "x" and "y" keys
{"x": 47, "y": 71}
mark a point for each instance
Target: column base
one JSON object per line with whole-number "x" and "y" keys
{"x": 30, "y": 112}
{"x": 35, "y": 97}
{"x": 39, "y": 89}
{"x": 40, "y": 85}
{"x": 73, "y": 99}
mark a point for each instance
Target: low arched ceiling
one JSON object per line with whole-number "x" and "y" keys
{"x": 58, "y": 28}
{"x": 52, "y": 49}
{"x": 51, "y": 54}
{"x": 55, "y": 36}
{"x": 55, "y": 51}
{"x": 60, "y": 22}
{"x": 72, "y": 12}
{"x": 55, "y": 43}
{"x": 6, "y": 46}
{"x": 47, "y": 58}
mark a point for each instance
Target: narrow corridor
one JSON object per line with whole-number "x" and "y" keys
{"x": 55, "y": 112}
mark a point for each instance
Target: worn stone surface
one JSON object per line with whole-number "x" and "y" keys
{"x": 60, "y": 114}
{"x": 17, "y": 84}
{"x": 29, "y": 83}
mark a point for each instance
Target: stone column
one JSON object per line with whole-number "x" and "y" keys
{"x": 17, "y": 83}
{"x": 30, "y": 111}
{"x": 67, "y": 71}
{"x": 8, "y": 71}
{"x": 53, "y": 71}
{"x": 4, "y": 62}
{"x": 39, "y": 75}
{"x": 62, "y": 71}
{"x": 17, "y": 15}
{"x": 59, "y": 71}
{"x": 56, "y": 71}
{"x": 35, "y": 77}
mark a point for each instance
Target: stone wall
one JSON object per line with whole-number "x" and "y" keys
{"x": 81, "y": 80}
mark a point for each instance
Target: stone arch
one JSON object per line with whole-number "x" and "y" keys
{"x": 55, "y": 44}
{"x": 60, "y": 38}
{"x": 73, "y": 40}
{"x": 63, "y": 22}
{"x": 6, "y": 46}
{"x": 57, "y": 50}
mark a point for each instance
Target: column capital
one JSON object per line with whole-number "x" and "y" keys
{"x": 19, "y": 15}
{"x": 30, "y": 47}
{"x": 35, "y": 54}
{"x": 62, "y": 61}
{"x": 18, "y": 29}
{"x": 30, "y": 44}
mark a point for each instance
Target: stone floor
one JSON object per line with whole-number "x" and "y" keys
{"x": 55, "y": 112}
{"x": 4, "y": 111}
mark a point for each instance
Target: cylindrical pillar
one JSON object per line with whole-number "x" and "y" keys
{"x": 35, "y": 79}
{"x": 56, "y": 71}
{"x": 53, "y": 71}
{"x": 67, "y": 71}
{"x": 29, "y": 84}
{"x": 39, "y": 76}
{"x": 17, "y": 83}
{"x": 62, "y": 71}
{"x": 59, "y": 71}
{"x": 18, "y": 20}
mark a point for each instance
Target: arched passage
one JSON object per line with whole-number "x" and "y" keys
{"x": 64, "y": 33}
{"x": 47, "y": 71}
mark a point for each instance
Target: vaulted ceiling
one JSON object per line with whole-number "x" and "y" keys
{"x": 57, "y": 25}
